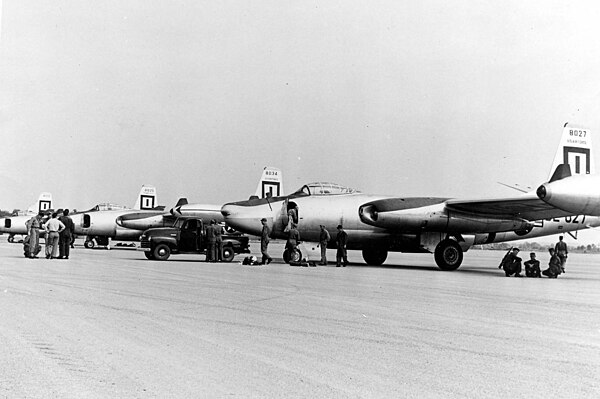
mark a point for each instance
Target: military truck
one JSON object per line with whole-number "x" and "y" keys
{"x": 188, "y": 236}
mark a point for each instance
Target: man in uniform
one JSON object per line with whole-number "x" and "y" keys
{"x": 511, "y": 263}
{"x": 53, "y": 228}
{"x": 293, "y": 239}
{"x": 264, "y": 242}
{"x": 341, "y": 240}
{"x": 33, "y": 231}
{"x": 561, "y": 251}
{"x": 532, "y": 266}
{"x": 65, "y": 237}
{"x": 554, "y": 268}
{"x": 324, "y": 238}
{"x": 219, "y": 243}
{"x": 211, "y": 239}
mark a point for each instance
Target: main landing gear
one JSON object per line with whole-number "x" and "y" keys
{"x": 448, "y": 255}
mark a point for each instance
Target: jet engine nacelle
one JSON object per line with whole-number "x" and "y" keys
{"x": 436, "y": 218}
{"x": 579, "y": 195}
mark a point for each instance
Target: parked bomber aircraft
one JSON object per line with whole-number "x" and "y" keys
{"x": 270, "y": 184}
{"x": 99, "y": 225}
{"x": 16, "y": 224}
{"x": 446, "y": 227}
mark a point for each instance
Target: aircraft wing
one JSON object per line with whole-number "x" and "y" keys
{"x": 527, "y": 206}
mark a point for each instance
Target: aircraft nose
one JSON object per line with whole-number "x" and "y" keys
{"x": 242, "y": 218}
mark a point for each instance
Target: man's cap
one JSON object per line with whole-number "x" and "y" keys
{"x": 339, "y": 226}
{"x": 516, "y": 249}
{"x": 263, "y": 219}
{"x": 532, "y": 254}
{"x": 213, "y": 221}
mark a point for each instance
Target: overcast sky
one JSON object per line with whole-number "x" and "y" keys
{"x": 411, "y": 98}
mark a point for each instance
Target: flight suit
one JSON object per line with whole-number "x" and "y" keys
{"x": 341, "y": 254}
{"x": 211, "y": 239}
{"x": 264, "y": 245}
{"x": 532, "y": 268}
{"x": 324, "y": 238}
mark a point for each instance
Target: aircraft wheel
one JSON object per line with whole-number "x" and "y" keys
{"x": 227, "y": 254}
{"x": 11, "y": 238}
{"x": 149, "y": 255}
{"x": 89, "y": 244}
{"x": 374, "y": 256}
{"x": 448, "y": 255}
{"x": 161, "y": 252}
{"x": 292, "y": 256}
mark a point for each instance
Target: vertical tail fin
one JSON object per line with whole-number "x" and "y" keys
{"x": 270, "y": 184}
{"x": 575, "y": 149}
{"x": 43, "y": 204}
{"x": 147, "y": 198}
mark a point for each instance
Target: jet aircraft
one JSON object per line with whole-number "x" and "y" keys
{"x": 16, "y": 224}
{"x": 99, "y": 225}
{"x": 446, "y": 227}
{"x": 270, "y": 184}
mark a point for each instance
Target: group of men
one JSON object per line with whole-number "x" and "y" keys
{"x": 511, "y": 263}
{"x": 214, "y": 251}
{"x": 59, "y": 231}
{"x": 294, "y": 239}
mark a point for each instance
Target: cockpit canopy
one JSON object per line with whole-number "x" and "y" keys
{"x": 323, "y": 188}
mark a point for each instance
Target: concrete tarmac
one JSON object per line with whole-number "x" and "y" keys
{"x": 113, "y": 324}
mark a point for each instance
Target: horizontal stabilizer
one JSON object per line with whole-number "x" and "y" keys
{"x": 563, "y": 170}
{"x": 181, "y": 201}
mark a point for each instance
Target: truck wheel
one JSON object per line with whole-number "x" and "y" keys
{"x": 161, "y": 252}
{"x": 149, "y": 255}
{"x": 227, "y": 254}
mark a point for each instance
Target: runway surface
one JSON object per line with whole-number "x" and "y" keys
{"x": 113, "y": 324}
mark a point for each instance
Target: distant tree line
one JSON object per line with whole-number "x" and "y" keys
{"x": 537, "y": 247}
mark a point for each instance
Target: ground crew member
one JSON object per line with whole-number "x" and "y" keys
{"x": 561, "y": 251}
{"x": 264, "y": 242}
{"x": 511, "y": 263}
{"x": 324, "y": 238}
{"x": 65, "y": 237}
{"x": 53, "y": 228}
{"x": 554, "y": 268}
{"x": 219, "y": 243}
{"x": 341, "y": 240}
{"x": 293, "y": 240}
{"x": 211, "y": 238}
{"x": 33, "y": 231}
{"x": 532, "y": 266}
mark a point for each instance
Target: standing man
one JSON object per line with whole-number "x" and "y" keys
{"x": 293, "y": 240}
{"x": 211, "y": 238}
{"x": 53, "y": 228}
{"x": 324, "y": 238}
{"x": 65, "y": 237}
{"x": 219, "y": 243}
{"x": 33, "y": 230}
{"x": 341, "y": 240}
{"x": 532, "y": 266}
{"x": 561, "y": 251}
{"x": 264, "y": 242}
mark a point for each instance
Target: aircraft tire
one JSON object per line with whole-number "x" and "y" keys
{"x": 294, "y": 256}
{"x": 149, "y": 255}
{"x": 374, "y": 256}
{"x": 161, "y": 252}
{"x": 11, "y": 238}
{"x": 89, "y": 244}
{"x": 227, "y": 254}
{"x": 448, "y": 255}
